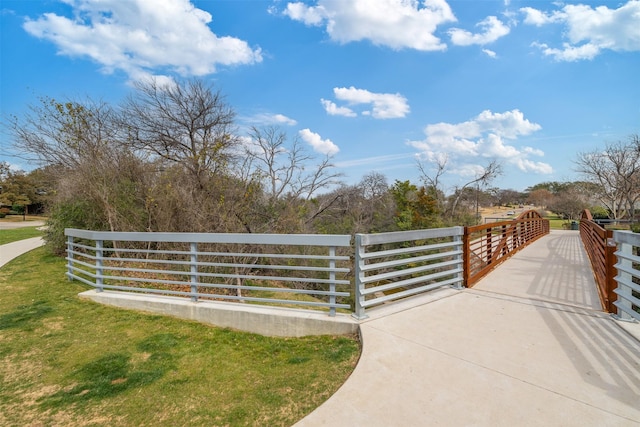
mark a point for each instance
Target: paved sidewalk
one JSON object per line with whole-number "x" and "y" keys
{"x": 15, "y": 249}
{"x": 528, "y": 346}
{"x": 7, "y": 225}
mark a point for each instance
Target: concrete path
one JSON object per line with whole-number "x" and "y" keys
{"x": 15, "y": 249}
{"x": 7, "y": 225}
{"x": 528, "y": 346}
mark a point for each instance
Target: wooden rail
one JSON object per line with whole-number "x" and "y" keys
{"x": 600, "y": 247}
{"x": 487, "y": 246}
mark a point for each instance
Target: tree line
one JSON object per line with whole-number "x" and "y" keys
{"x": 171, "y": 158}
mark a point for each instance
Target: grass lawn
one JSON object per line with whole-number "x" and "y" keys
{"x": 66, "y": 361}
{"x": 557, "y": 223}
{"x": 14, "y": 234}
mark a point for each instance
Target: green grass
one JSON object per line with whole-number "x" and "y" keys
{"x": 67, "y": 361}
{"x": 557, "y": 223}
{"x": 14, "y": 234}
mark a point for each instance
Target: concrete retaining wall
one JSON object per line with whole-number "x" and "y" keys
{"x": 270, "y": 321}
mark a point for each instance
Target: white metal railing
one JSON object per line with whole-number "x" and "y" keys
{"x": 313, "y": 270}
{"x": 390, "y": 266}
{"x": 257, "y": 268}
{"x": 628, "y": 278}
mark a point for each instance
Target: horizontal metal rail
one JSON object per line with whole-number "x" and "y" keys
{"x": 257, "y": 268}
{"x": 628, "y": 275}
{"x": 487, "y": 246}
{"x": 600, "y": 247}
{"x": 391, "y": 266}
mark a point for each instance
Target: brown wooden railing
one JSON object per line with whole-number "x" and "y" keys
{"x": 487, "y": 246}
{"x": 600, "y": 247}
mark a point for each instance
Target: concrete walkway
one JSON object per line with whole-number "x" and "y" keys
{"x": 15, "y": 249}
{"x": 528, "y": 346}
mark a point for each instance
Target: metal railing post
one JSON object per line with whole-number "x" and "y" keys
{"x": 610, "y": 261}
{"x": 194, "y": 270}
{"x": 359, "y": 280}
{"x": 625, "y": 264}
{"x": 466, "y": 257}
{"x": 99, "y": 265}
{"x": 70, "y": 258}
{"x": 489, "y": 245}
{"x": 460, "y": 258}
{"x": 332, "y": 279}
{"x": 504, "y": 237}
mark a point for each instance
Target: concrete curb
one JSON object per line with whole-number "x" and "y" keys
{"x": 270, "y": 321}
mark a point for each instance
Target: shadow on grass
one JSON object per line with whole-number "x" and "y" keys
{"x": 115, "y": 373}
{"x": 25, "y": 315}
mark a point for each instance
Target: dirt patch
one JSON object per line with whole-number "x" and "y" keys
{"x": 53, "y": 323}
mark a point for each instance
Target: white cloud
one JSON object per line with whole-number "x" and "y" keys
{"x": 271, "y": 119}
{"x": 333, "y": 110}
{"x": 140, "y": 37}
{"x": 589, "y": 30}
{"x": 526, "y": 165}
{"x": 397, "y": 24}
{"x": 376, "y": 160}
{"x": 492, "y": 29}
{"x": 490, "y": 53}
{"x": 384, "y": 105}
{"x": 539, "y": 18}
{"x": 308, "y": 14}
{"x": 322, "y": 146}
{"x": 570, "y": 53}
{"x": 487, "y": 135}
{"x": 282, "y": 119}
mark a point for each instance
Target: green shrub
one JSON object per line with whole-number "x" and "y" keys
{"x": 73, "y": 214}
{"x": 17, "y": 210}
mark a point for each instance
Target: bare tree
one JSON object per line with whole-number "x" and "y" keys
{"x": 285, "y": 166}
{"x": 432, "y": 180}
{"x": 484, "y": 178}
{"x": 616, "y": 171}
{"x": 185, "y": 122}
{"x": 98, "y": 182}
{"x": 570, "y": 202}
{"x": 540, "y": 197}
{"x": 65, "y": 134}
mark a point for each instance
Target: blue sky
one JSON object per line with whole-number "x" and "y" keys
{"x": 376, "y": 84}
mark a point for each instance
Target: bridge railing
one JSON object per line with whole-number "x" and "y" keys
{"x": 313, "y": 271}
{"x": 488, "y": 245}
{"x": 628, "y": 277}
{"x": 251, "y": 268}
{"x": 600, "y": 247}
{"x": 391, "y": 266}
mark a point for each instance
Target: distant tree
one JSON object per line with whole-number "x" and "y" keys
{"x": 616, "y": 172}
{"x": 482, "y": 179}
{"x": 509, "y": 197}
{"x": 80, "y": 147}
{"x": 540, "y": 197}
{"x": 431, "y": 174}
{"x": 18, "y": 188}
{"x": 554, "y": 187}
{"x": 415, "y": 207}
{"x": 569, "y": 204}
